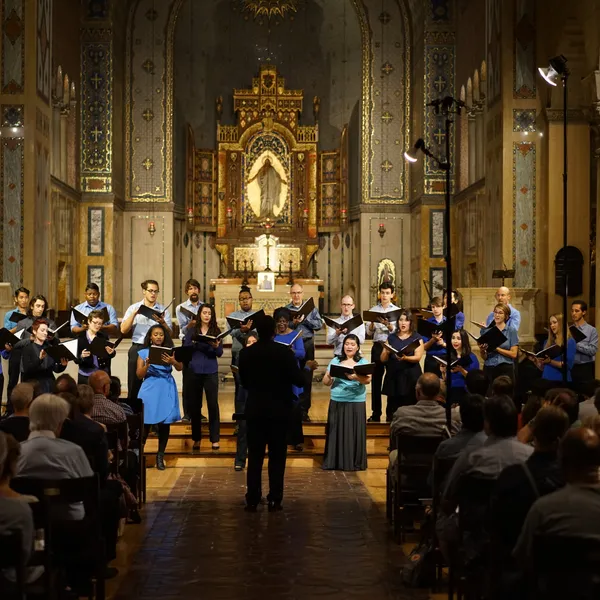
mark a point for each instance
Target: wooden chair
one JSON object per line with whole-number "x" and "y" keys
{"x": 68, "y": 542}
{"x": 12, "y": 557}
{"x": 136, "y": 436}
{"x": 112, "y": 437}
{"x": 565, "y": 567}
{"x": 407, "y": 485}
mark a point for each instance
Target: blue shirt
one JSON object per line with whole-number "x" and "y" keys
{"x": 87, "y": 308}
{"x": 437, "y": 349}
{"x": 311, "y": 323}
{"x": 184, "y": 320}
{"x": 495, "y": 358}
{"x": 586, "y": 349}
{"x": 514, "y": 320}
{"x": 346, "y": 390}
{"x": 299, "y": 352}
{"x": 141, "y": 324}
{"x": 204, "y": 358}
{"x": 8, "y": 324}
{"x": 458, "y": 379}
{"x": 551, "y": 373}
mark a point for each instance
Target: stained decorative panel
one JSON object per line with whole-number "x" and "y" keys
{"x": 329, "y": 213}
{"x": 205, "y": 212}
{"x": 95, "y": 231}
{"x": 44, "y": 48}
{"x": 524, "y": 66}
{"x": 12, "y": 56}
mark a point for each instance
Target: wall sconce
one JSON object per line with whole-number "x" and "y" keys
{"x": 190, "y": 215}
{"x": 381, "y": 230}
{"x": 229, "y": 216}
{"x": 344, "y": 212}
{"x": 151, "y": 228}
{"x": 305, "y": 217}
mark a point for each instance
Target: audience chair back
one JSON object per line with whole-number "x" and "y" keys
{"x": 566, "y": 567}
{"x": 136, "y": 435}
{"x": 11, "y": 557}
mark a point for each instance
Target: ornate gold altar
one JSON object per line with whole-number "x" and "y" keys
{"x": 266, "y": 191}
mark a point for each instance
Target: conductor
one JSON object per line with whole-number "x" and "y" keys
{"x": 267, "y": 370}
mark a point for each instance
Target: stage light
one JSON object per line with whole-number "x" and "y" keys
{"x": 412, "y": 154}
{"x": 555, "y": 71}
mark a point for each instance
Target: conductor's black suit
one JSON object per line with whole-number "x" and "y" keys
{"x": 268, "y": 370}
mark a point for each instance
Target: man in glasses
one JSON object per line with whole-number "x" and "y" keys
{"x": 335, "y": 337}
{"x": 139, "y": 324}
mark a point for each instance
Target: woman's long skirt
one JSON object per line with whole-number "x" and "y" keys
{"x": 346, "y": 444}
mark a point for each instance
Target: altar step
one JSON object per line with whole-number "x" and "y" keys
{"x": 179, "y": 449}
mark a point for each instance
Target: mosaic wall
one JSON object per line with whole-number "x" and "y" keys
{"x": 96, "y": 110}
{"x": 11, "y": 206}
{"x": 524, "y": 65}
{"x": 524, "y": 207}
{"x": 12, "y": 18}
{"x": 44, "y": 48}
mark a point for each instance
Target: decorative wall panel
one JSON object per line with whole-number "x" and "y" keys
{"x": 205, "y": 209}
{"x": 96, "y": 110}
{"x": 524, "y": 67}
{"x": 437, "y": 280}
{"x": 524, "y": 207}
{"x": 95, "y": 274}
{"x": 95, "y": 231}
{"x": 494, "y": 56}
{"x": 437, "y": 234}
{"x": 12, "y": 57}
{"x": 330, "y": 210}
{"x": 11, "y": 206}
{"x": 44, "y": 48}
{"x": 439, "y": 82}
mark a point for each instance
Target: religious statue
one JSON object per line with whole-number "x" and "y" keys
{"x": 269, "y": 182}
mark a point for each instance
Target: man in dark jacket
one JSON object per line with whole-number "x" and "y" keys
{"x": 267, "y": 370}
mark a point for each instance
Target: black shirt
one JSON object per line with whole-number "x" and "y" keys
{"x": 18, "y": 427}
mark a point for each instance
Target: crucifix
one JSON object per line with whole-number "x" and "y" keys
{"x": 268, "y": 246}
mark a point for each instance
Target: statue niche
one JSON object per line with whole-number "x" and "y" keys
{"x": 269, "y": 194}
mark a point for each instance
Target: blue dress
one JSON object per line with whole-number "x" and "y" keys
{"x": 159, "y": 393}
{"x": 299, "y": 352}
{"x": 551, "y": 373}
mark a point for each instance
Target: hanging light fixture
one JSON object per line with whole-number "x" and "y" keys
{"x": 270, "y": 8}
{"x": 556, "y": 70}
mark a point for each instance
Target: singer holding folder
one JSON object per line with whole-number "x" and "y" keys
{"x": 435, "y": 345}
{"x": 88, "y": 362}
{"x": 138, "y": 319}
{"x": 500, "y": 361}
{"x": 402, "y": 366}
{"x": 380, "y": 331}
{"x": 93, "y": 302}
{"x": 335, "y": 337}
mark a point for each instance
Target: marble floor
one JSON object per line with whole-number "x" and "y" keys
{"x": 331, "y": 540}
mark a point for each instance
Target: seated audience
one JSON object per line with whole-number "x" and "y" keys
{"x": 65, "y": 383}
{"x": 519, "y": 486}
{"x": 15, "y": 513}
{"x": 574, "y": 510}
{"x": 589, "y": 406}
{"x": 426, "y": 417}
{"x": 477, "y": 383}
{"x": 17, "y": 424}
{"x": 502, "y": 386}
{"x": 115, "y": 395}
{"x": 44, "y": 455}
{"x": 104, "y": 410}
{"x": 471, "y": 434}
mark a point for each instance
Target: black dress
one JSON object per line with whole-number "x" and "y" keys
{"x": 92, "y": 363}
{"x": 401, "y": 376}
{"x": 34, "y": 368}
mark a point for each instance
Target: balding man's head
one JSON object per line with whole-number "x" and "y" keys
{"x": 503, "y": 295}
{"x": 65, "y": 384}
{"x": 428, "y": 387}
{"x": 99, "y": 381}
{"x": 347, "y": 305}
{"x": 580, "y": 455}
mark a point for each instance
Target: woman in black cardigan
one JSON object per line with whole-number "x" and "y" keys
{"x": 89, "y": 362}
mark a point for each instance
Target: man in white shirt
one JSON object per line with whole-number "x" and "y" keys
{"x": 503, "y": 297}
{"x": 193, "y": 305}
{"x": 139, "y": 326}
{"x": 380, "y": 332}
{"x": 336, "y": 337}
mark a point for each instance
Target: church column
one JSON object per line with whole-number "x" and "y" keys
{"x": 472, "y": 145}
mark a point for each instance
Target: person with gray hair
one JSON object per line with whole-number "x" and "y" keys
{"x": 17, "y": 424}
{"x": 44, "y": 455}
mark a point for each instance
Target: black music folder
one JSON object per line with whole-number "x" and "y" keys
{"x": 493, "y": 337}
{"x": 304, "y": 309}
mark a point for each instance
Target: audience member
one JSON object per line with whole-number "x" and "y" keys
{"x": 44, "y": 455}
{"x": 115, "y": 395}
{"x": 589, "y": 406}
{"x": 519, "y": 485}
{"x": 574, "y": 510}
{"x": 502, "y": 386}
{"x": 471, "y": 434}
{"x": 17, "y": 424}
{"x": 104, "y": 410}
{"x": 65, "y": 383}
{"x": 426, "y": 417}
{"x": 477, "y": 382}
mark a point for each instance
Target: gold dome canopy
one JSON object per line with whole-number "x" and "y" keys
{"x": 270, "y": 8}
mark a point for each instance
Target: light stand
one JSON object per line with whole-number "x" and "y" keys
{"x": 448, "y": 106}
{"x": 558, "y": 70}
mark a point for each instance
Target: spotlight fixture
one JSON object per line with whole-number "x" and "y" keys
{"x": 556, "y": 70}
{"x": 412, "y": 154}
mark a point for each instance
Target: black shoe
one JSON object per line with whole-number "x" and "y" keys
{"x": 374, "y": 419}
{"x": 185, "y": 419}
{"x": 299, "y": 447}
{"x": 306, "y": 418}
{"x": 275, "y": 506}
{"x": 160, "y": 461}
{"x": 203, "y": 418}
{"x": 250, "y": 508}
{"x": 196, "y": 448}
{"x": 134, "y": 516}
{"x": 239, "y": 467}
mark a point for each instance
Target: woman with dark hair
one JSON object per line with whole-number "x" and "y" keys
{"x": 467, "y": 361}
{"x": 457, "y": 300}
{"x": 204, "y": 374}
{"x": 289, "y": 337}
{"x": 346, "y": 443}
{"x": 158, "y": 391}
{"x": 36, "y": 365}
{"x": 501, "y": 360}
{"x": 402, "y": 353}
